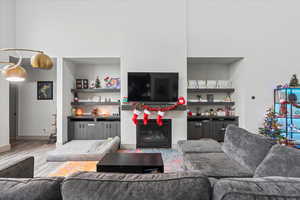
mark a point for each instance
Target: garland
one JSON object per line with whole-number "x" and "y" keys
{"x": 138, "y": 108}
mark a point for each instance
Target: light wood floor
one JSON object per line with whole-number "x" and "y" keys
{"x": 38, "y": 149}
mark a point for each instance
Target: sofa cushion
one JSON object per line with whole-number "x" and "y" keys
{"x": 23, "y": 168}
{"x": 280, "y": 161}
{"x": 175, "y": 186}
{"x": 199, "y": 146}
{"x": 280, "y": 188}
{"x": 246, "y": 148}
{"x": 83, "y": 150}
{"x": 30, "y": 189}
{"x": 216, "y": 165}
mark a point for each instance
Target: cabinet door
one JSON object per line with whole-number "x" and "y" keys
{"x": 106, "y": 131}
{"x": 79, "y": 131}
{"x": 218, "y": 130}
{"x": 100, "y": 131}
{"x": 91, "y": 130}
{"x": 114, "y": 129}
{"x": 206, "y": 129}
{"x": 118, "y": 131}
{"x": 195, "y": 130}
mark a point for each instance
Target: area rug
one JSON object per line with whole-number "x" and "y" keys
{"x": 172, "y": 162}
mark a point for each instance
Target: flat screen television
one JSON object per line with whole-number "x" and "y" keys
{"x": 152, "y": 87}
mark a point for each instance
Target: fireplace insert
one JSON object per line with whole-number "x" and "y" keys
{"x": 154, "y": 136}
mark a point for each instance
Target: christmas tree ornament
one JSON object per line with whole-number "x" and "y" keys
{"x": 136, "y": 114}
{"x": 146, "y": 116}
{"x": 159, "y": 119}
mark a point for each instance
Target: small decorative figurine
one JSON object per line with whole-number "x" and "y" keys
{"x": 108, "y": 81}
{"x": 97, "y": 82}
{"x": 294, "y": 81}
{"x": 92, "y": 85}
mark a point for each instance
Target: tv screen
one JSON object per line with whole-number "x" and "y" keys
{"x": 152, "y": 87}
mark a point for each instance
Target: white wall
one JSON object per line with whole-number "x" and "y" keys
{"x": 65, "y": 82}
{"x": 154, "y": 41}
{"x": 155, "y": 35}
{"x": 208, "y": 72}
{"x": 7, "y": 39}
{"x": 264, "y": 32}
{"x": 139, "y": 31}
{"x": 35, "y": 116}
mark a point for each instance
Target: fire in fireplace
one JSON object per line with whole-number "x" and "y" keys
{"x": 154, "y": 136}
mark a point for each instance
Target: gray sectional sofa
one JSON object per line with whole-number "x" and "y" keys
{"x": 240, "y": 169}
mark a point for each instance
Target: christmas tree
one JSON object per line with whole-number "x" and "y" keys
{"x": 97, "y": 82}
{"x": 271, "y": 127}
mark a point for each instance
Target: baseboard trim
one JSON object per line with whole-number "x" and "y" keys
{"x": 5, "y": 148}
{"x": 133, "y": 146}
{"x": 128, "y": 146}
{"x": 41, "y": 138}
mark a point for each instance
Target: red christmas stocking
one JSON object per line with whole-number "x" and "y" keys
{"x": 136, "y": 113}
{"x": 146, "y": 116}
{"x": 160, "y": 116}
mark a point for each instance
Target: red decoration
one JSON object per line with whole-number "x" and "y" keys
{"x": 181, "y": 101}
{"x": 283, "y": 107}
{"x": 146, "y": 116}
{"x": 148, "y": 109}
{"x": 136, "y": 113}
{"x": 160, "y": 116}
{"x": 190, "y": 113}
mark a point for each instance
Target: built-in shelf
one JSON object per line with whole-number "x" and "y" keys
{"x": 210, "y": 103}
{"x": 94, "y": 103}
{"x": 98, "y": 118}
{"x": 96, "y": 90}
{"x": 211, "y": 90}
{"x": 212, "y": 117}
{"x": 178, "y": 108}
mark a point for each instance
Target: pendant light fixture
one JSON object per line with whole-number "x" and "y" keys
{"x": 15, "y": 73}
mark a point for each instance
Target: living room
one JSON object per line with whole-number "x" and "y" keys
{"x": 88, "y": 105}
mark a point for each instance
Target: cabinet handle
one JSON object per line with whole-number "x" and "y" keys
{"x": 109, "y": 125}
{"x": 198, "y": 124}
{"x": 79, "y": 125}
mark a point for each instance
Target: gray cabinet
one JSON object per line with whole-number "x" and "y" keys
{"x": 93, "y": 130}
{"x": 209, "y": 127}
{"x": 198, "y": 129}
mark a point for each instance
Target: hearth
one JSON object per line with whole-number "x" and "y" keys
{"x": 154, "y": 136}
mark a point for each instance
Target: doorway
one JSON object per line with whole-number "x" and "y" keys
{"x": 13, "y": 111}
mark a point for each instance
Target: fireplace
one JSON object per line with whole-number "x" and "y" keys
{"x": 154, "y": 136}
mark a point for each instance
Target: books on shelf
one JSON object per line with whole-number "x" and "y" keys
{"x": 198, "y": 84}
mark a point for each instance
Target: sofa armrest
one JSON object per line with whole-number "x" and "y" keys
{"x": 257, "y": 188}
{"x": 19, "y": 169}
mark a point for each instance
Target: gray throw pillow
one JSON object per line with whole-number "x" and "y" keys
{"x": 280, "y": 161}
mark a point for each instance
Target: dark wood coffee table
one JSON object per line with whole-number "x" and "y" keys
{"x": 131, "y": 163}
